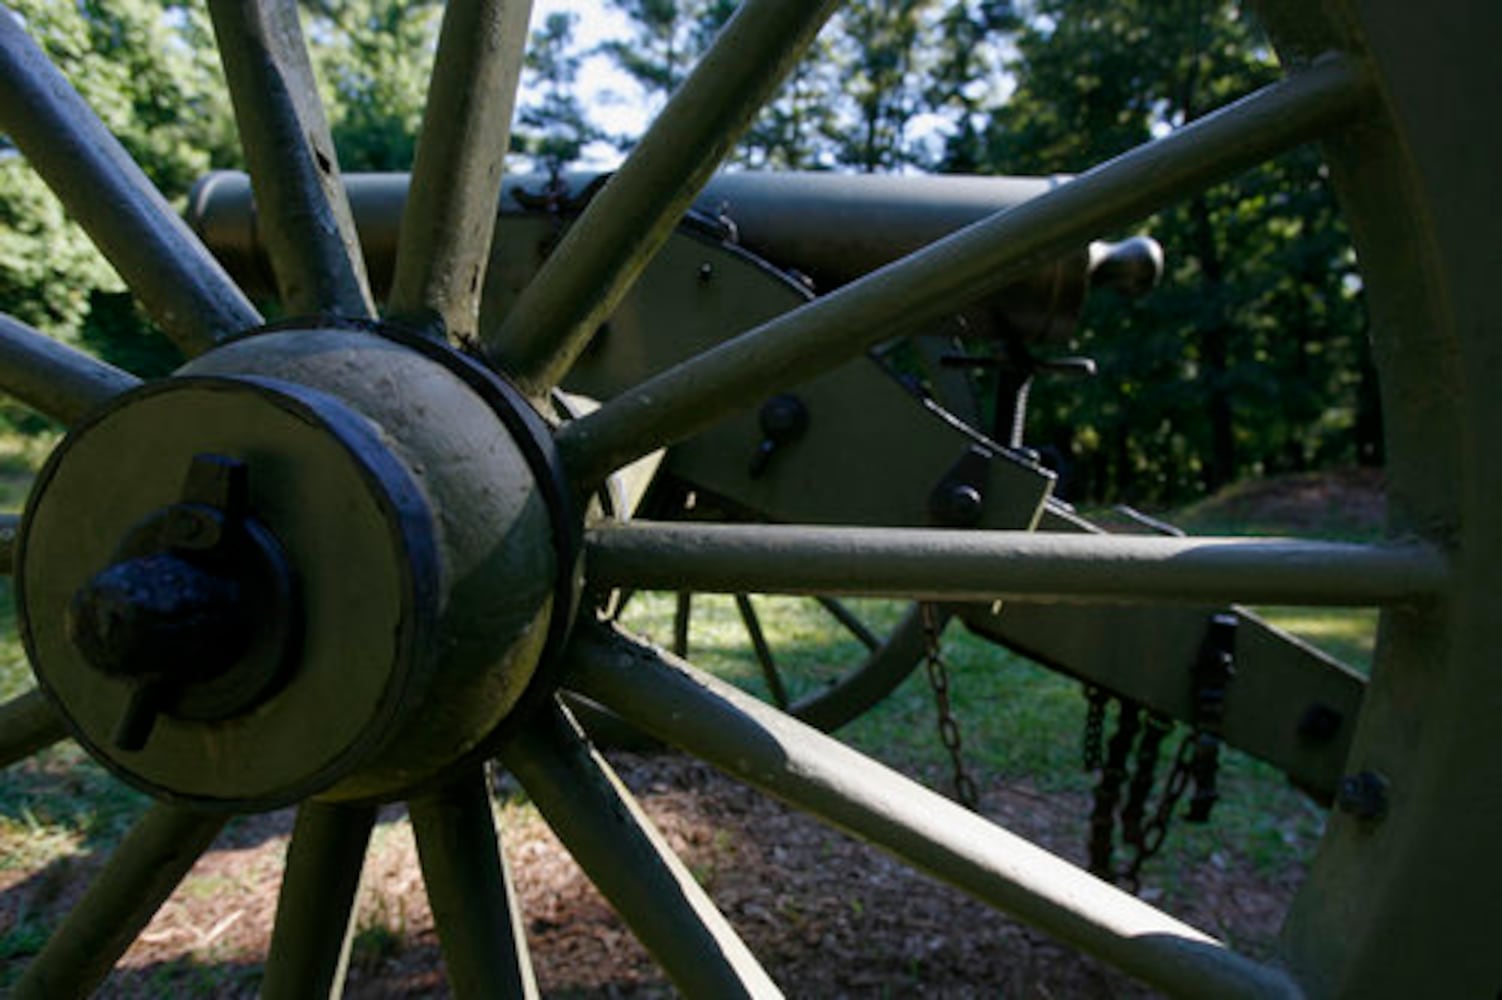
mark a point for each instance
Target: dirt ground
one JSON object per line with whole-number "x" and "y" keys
{"x": 827, "y": 916}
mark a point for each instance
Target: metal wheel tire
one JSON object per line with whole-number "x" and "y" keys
{"x": 1399, "y": 901}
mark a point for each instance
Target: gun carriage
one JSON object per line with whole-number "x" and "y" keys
{"x": 198, "y": 634}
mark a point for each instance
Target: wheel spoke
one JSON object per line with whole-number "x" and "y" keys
{"x": 763, "y": 651}
{"x": 182, "y": 287}
{"x": 889, "y": 665}
{"x": 456, "y": 180}
{"x": 140, "y": 875}
{"x": 945, "y": 565}
{"x": 852, "y": 624}
{"x": 796, "y": 346}
{"x": 469, "y": 886}
{"x": 625, "y": 224}
{"x": 27, "y": 724}
{"x": 301, "y": 208}
{"x": 623, "y": 854}
{"x": 52, "y": 378}
{"x": 314, "y": 913}
{"x": 683, "y": 613}
{"x": 759, "y": 745}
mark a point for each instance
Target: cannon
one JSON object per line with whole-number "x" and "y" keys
{"x": 198, "y": 632}
{"x": 899, "y": 429}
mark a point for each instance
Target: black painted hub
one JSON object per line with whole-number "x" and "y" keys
{"x": 197, "y": 609}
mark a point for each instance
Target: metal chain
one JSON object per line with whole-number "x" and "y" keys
{"x": 1144, "y": 776}
{"x": 1094, "y": 751}
{"x": 1156, "y": 829}
{"x": 949, "y": 731}
{"x": 1108, "y": 791}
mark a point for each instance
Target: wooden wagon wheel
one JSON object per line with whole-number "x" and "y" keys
{"x": 183, "y": 563}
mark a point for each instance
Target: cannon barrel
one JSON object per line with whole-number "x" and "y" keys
{"x": 831, "y": 228}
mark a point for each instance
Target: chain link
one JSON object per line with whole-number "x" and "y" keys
{"x": 1156, "y": 829}
{"x": 1107, "y": 794}
{"x": 1094, "y": 750}
{"x": 965, "y": 790}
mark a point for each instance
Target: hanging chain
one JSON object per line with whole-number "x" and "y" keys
{"x": 1108, "y": 792}
{"x": 1094, "y": 752}
{"x": 1153, "y": 833}
{"x": 949, "y": 731}
{"x": 1195, "y": 762}
{"x": 1154, "y": 729}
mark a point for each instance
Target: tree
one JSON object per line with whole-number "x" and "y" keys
{"x": 374, "y": 59}
{"x": 881, "y": 64}
{"x": 554, "y": 129}
{"x": 1250, "y": 358}
{"x": 145, "y": 68}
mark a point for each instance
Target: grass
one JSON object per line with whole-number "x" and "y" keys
{"x": 1019, "y": 722}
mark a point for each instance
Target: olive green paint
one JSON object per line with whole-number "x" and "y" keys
{"x": 947, "y": 564}
{"x": 539, "y": 337}
{"x": 58, "y": 381}
{"x": 141, "y": 873}
{"x": 623, "y": 854}
{"x": 315, "y": 911}
{"x": 448, "y": 223}
{"x": 28, "y": 722}
{"x": 753, "y": 742}
{"x": 961, "y": 267}
{"x": 469, "y": 886}
{"x": 301, "y": 206}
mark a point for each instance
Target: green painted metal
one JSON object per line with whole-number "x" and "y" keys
{"x": 495, "y": 562}
{"x": 183, "y": 289}
{"x": 315, "y": 912}
{"x": 308, "y": 228}
{"x": 312, "y": 485}
{"x": 142, "y": 872}
{"x": 60, "y": 381}
{"x": 966, "y": 265}
{"x": 944, "y": 564}
{"x": 1147, "y": 654}
{"x": 542, "y": 334}
{"x": 469, "y": 886}
{"x": 852, "y": 624}
{"x": 764, "y": 656}
{"x": 863, "y": 688}
{"x": 622, "y": 853}
{"x": 28, "y": 722}
{"x": 753, "y": 742}
{"x": 1400, "y": 906}
{"x": 1407, "y": 906}
{"x": 448, "y": 223}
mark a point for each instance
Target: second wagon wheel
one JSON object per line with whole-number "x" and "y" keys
{"x": 189, "y": 632}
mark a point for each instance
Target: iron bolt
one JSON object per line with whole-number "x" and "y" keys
{"x": 1363, "y": 795}
{"x": 1320, "y": 723}
{"x": 957, "y": 505}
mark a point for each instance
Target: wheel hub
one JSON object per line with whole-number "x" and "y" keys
{"x": 353, "y": 590}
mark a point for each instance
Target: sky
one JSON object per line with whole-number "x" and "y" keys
{"x": 615, "y": 102}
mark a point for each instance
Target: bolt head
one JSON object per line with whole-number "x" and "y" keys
{"x": 1363, "y": 795}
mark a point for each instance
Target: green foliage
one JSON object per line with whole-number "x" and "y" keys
{"x": 147, "y": 69}
{"x": 555, "y": 128}
{"x": 1251, "y": 358}
{"x": 374, "y": 59}
{"x": 668, "y": 37}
